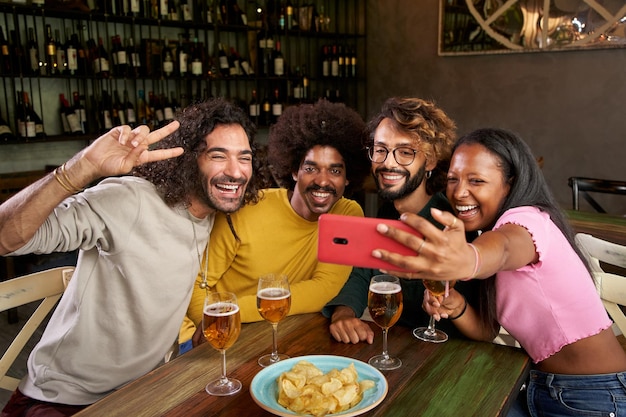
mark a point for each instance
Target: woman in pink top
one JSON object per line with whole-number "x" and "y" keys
{"x": 535, "y": 282}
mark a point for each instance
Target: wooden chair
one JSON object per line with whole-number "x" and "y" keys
{"x": 583, "y": 186}
{"x": 47, "y": 286}
{"x": 611, "y": 286}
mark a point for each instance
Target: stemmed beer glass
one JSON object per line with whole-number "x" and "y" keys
{"x": 221, "y": 325}
{"x": 384, "y": 301}
{"x": 430, "y": 334}
{"x": 273, "y": 301}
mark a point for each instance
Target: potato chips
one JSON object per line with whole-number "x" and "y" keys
{"x": 305, "y": 389}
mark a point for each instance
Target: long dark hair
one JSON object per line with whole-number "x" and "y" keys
{"x": 528, "y": 187}
{"x": 177, "y": 179}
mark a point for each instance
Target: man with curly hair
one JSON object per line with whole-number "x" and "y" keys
{"x": 141, "y": 239}
{"x": 316, "y": 155}
{"x": 409, "y": 143}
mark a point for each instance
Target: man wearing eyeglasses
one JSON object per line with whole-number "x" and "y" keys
{"x": 409, "y": 143}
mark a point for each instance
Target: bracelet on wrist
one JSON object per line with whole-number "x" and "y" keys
{"x": 477, "y": 261}
{"x": 462, "y": 311}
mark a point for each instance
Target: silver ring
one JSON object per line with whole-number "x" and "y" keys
{"x": 419, "y": 250}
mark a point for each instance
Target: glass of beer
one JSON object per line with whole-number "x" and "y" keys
{"x": 430, "y": 334}
{"x": 221, "y": 325}
{"x": 273, "y": 300}
{"x": 384, "y": 301}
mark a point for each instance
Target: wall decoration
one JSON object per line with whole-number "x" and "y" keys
{"x": 508, "y": 26}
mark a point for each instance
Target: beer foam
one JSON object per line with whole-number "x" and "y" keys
{"x": 274, "y": 293}
{"x": 385, "y": 288}
{"x": 221, "y": 309}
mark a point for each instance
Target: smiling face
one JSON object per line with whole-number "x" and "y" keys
{"x": 476, "y": 186}
{"x": 225, "y": 169}
{"x": 320, "y": 182}
{"x": 395, "y": 181}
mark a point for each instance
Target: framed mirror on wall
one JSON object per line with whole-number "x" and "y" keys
{"x": 472, "y": 27}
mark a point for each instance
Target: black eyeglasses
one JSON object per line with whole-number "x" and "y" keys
{"x": 403, "y": 154}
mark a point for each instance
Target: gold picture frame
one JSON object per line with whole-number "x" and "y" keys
{"x": 473, "y": 27}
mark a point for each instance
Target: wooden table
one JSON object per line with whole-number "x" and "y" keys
{"x": 601, "y": 225}
{"x": 456, "y": 378}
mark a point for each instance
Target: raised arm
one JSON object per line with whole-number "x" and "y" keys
{"x": 114, "y": 153}
{"x": 446, "y": 254}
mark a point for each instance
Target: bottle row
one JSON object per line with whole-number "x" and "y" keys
{"x": 154, "y": 58}
{"x": 105, "y": 110}
{"x": 277, "y": 15}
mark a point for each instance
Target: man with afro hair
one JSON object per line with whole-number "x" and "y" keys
{"x": 315, "y": 154}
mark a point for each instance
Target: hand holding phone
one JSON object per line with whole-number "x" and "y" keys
{"x": 350, "y": 240}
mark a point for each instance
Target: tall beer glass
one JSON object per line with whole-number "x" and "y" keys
{"x": 384, "y": 301}
{"x": 221, "y": 324}
{"x": 430, "y": 334}
{"x": 273, "y": 300}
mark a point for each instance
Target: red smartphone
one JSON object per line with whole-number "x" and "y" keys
{"x": 350, "y": 240}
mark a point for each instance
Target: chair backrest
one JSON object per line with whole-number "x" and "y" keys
{"x": 611, "y": 287}
{"x": 583, "y": 186}
{"x": 47, "y": 286}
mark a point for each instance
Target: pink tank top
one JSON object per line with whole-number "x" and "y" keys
{"x": 552, "y": 303}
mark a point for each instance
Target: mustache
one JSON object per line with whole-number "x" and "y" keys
{"x": 323, "y": 189}
{"x": 228, "y": 179}
{"x": 390, "y": 171}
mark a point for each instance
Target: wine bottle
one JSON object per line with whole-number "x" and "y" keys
{"x": 33, "y": 117}
{"x": 277, "y": 106}
{"x": 69, "y": 117}
{"x": 167, "y": 59}
{"x": 197, "y": 64}
{"x": 186, "y": 7}
{"x": 5, "y": 56}
{"x": 117, "y": 112}
{"x": 340, "y": 61}
{"x": 106, "y": 121}
{"x": 80, "y": 111}
{"x": 36, "y": 65}
{"x": 172, "y": 11}
{"x": 234, "y": 63}
{"x": 163, "y": 10}
{"x": 168, "y": 110}
{"x": 65, "y": 125}
{"x": 279, "y": 61}
{"x": 134, "y": 60}
{"x": 290, "y": 17}
{"x": 334, "y": 62}
{"x": 18, "y": 63}
{"x": 223, "y": 61}
{"x": 120, "y": 57}
{"x": 61, "y": 53}
{"x": 142, "y": 113}
{"x": 182, "y": 57}
{"x": 6, "y": 135}
{"x": 266, "y": 110}
{"x": 129, "y": 111}
{"x": 156, "y": 108}
{"x": 51, "y": 53}
{"x": 135, "y": 8}
{"x": 254, "y": 108}
{"x": 101, "y": 61}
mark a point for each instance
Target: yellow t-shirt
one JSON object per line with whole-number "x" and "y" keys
{"x": 273, "y": 239}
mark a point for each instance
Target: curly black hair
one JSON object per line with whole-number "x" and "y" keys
{"x": 429, "y": 125}
{"x": 305, "y": 126}
{"x": 176, "y": 179}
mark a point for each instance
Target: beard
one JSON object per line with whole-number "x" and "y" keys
{"x": 225, "y": 205}
{"x": 411, "y": 184}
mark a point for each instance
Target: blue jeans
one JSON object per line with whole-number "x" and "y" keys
{"x": 557, "y": 395}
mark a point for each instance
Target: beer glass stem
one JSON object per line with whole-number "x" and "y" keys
{"x": 274, "y": 354}
{"x": 431, "y": 327}
{"x": 223, "y": 379}
{"x": 385, "y": 353}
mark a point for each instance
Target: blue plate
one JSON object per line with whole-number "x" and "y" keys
{"x": 264, "y": 386}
